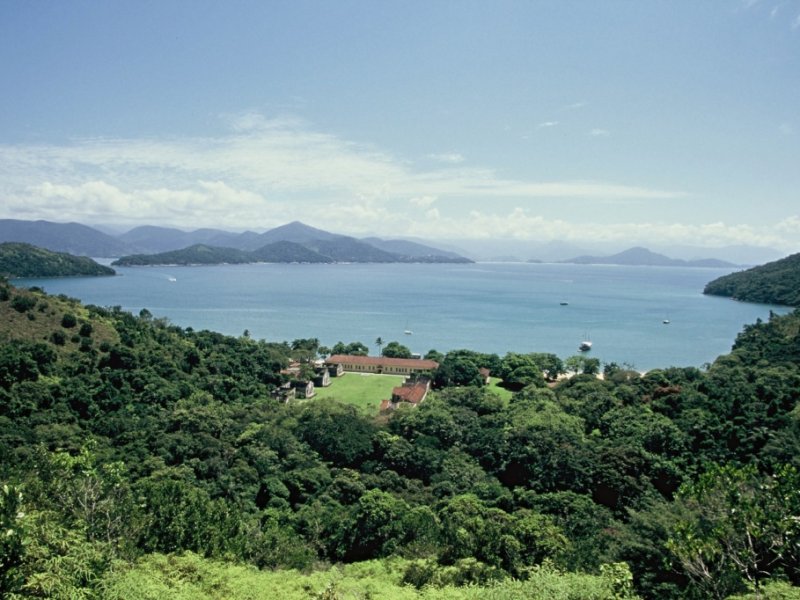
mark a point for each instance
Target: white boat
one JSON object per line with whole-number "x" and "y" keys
{"x": 665, "y": 321}
{"x": 585, "y": 346}
{"x": 407, "y": 331}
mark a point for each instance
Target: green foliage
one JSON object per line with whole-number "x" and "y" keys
{"x": 337, "y": 432}
{"x": 190, "y": 577}
{"x": 739, "y": 529}
{"x": 776, "y": 282}
{"x": 24, "y": 260}
{"x": 155, "y": 439}
{"x": 351, "y": 349}
{"x": 396, "y": 350}
{"x": 11, "y": 536}
{"x": 23, "y": 302}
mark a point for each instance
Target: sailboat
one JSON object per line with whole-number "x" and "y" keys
{"x": 585, "y": 345}
{"x": 407, "y": 331}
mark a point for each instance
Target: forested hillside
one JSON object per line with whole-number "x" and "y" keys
{"x": 143, "y": 460}
{"x": 24, "y": 260}
{"x": 776, "y": 282}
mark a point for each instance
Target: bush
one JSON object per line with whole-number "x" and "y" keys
{"x": 23, "y": 303}
{"x": 86, "y": 330}
{"x": 58, "y": 338}
{"x": 68, "y": 320}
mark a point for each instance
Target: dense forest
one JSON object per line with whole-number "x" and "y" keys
{"x": 145, "y": 460}
{"x": 776, "y": 282}
{"x": 23, "y": 260}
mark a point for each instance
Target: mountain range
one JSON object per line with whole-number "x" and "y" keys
{"x": 83, "y": 240}
{"x": 315, "y": 245}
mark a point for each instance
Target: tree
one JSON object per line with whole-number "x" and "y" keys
{"x": 379, "y": 526}
{"x": 11, "y": 548}
{"x": 738, "y": 527}
{"x": 396, "y": 350}
{"x": 379, "y": 344}
{"x": 582, "y": 364}
{"x": 519, "y": 370}
{"x": 351, "y": 349}
{"x": 457, "y": 371}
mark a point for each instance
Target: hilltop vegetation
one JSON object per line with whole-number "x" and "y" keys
{"x": 145, "y": 460}
{"x": 24, "y": 260}
{"x": 776, "y": 282}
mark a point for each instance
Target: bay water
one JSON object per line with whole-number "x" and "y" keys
{"x": 488, "y": 307}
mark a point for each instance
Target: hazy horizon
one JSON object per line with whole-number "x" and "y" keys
{"x": 657, "y": 124}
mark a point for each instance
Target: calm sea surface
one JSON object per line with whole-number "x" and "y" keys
{"x": 490, "y": 307}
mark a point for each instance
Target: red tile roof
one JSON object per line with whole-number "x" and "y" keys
{"x": 410, "y": 393}
{"x": 382, "y": 361}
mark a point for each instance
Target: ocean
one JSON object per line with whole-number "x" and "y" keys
{"x": 488, "y": 307}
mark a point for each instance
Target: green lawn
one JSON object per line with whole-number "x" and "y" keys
{"x": 504, "y": 394}
{"x": 363, "y": 390}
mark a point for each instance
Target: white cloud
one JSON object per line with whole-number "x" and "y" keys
{"x": 283, "y": 160}
{"x": 267, "y": 172}
{"x": 423, "y": 201}
{"x": 597, "y": 132}
{"x": 546, "y": 124}
{"x": 790, "y": 225}
{"x": 521, "y": 224}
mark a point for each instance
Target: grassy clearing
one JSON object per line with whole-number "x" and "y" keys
{"x": 362, "y": 390}
{"x": 494, "y": 385}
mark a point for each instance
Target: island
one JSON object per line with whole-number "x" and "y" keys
{"x": 338, "y": 249}
{"x": 18, "y": 259}
{"x": 639, "y": 256}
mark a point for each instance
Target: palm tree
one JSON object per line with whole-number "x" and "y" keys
{"x": 379, "y": 344}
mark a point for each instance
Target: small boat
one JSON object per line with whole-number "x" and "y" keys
{"x": 407, "y": 331}
{"x": 172, "y": 279}
{"x": 665, "y": 321}
{"x": 564, "y": 303}
{"x": 585, "y": 346}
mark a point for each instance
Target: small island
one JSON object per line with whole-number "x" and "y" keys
{"x": 25, "y": 260}
{"x": 642, "y": 257}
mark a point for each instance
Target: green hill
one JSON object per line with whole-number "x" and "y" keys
{"x": 199, "y": 254}
{"x": 776, "y": 282}
{"x": 144, "y": 460}
{"x": 24, "y": 260}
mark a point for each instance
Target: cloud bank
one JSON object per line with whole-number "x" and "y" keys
{"x": 266, "y": 172}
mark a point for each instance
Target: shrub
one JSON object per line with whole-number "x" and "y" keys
{"x": 68, "y": 320}
{"x": 23, "y": 303}
{"x": 58, "y": 338}
{"x": 86, "y": 330}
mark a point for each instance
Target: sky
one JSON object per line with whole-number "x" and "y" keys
{"x": 617, "y": 121}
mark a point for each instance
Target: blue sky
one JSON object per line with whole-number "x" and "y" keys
{"x": 628, "y": 122}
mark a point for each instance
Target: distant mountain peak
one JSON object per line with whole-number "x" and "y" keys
{"x": 640, "y": 256}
